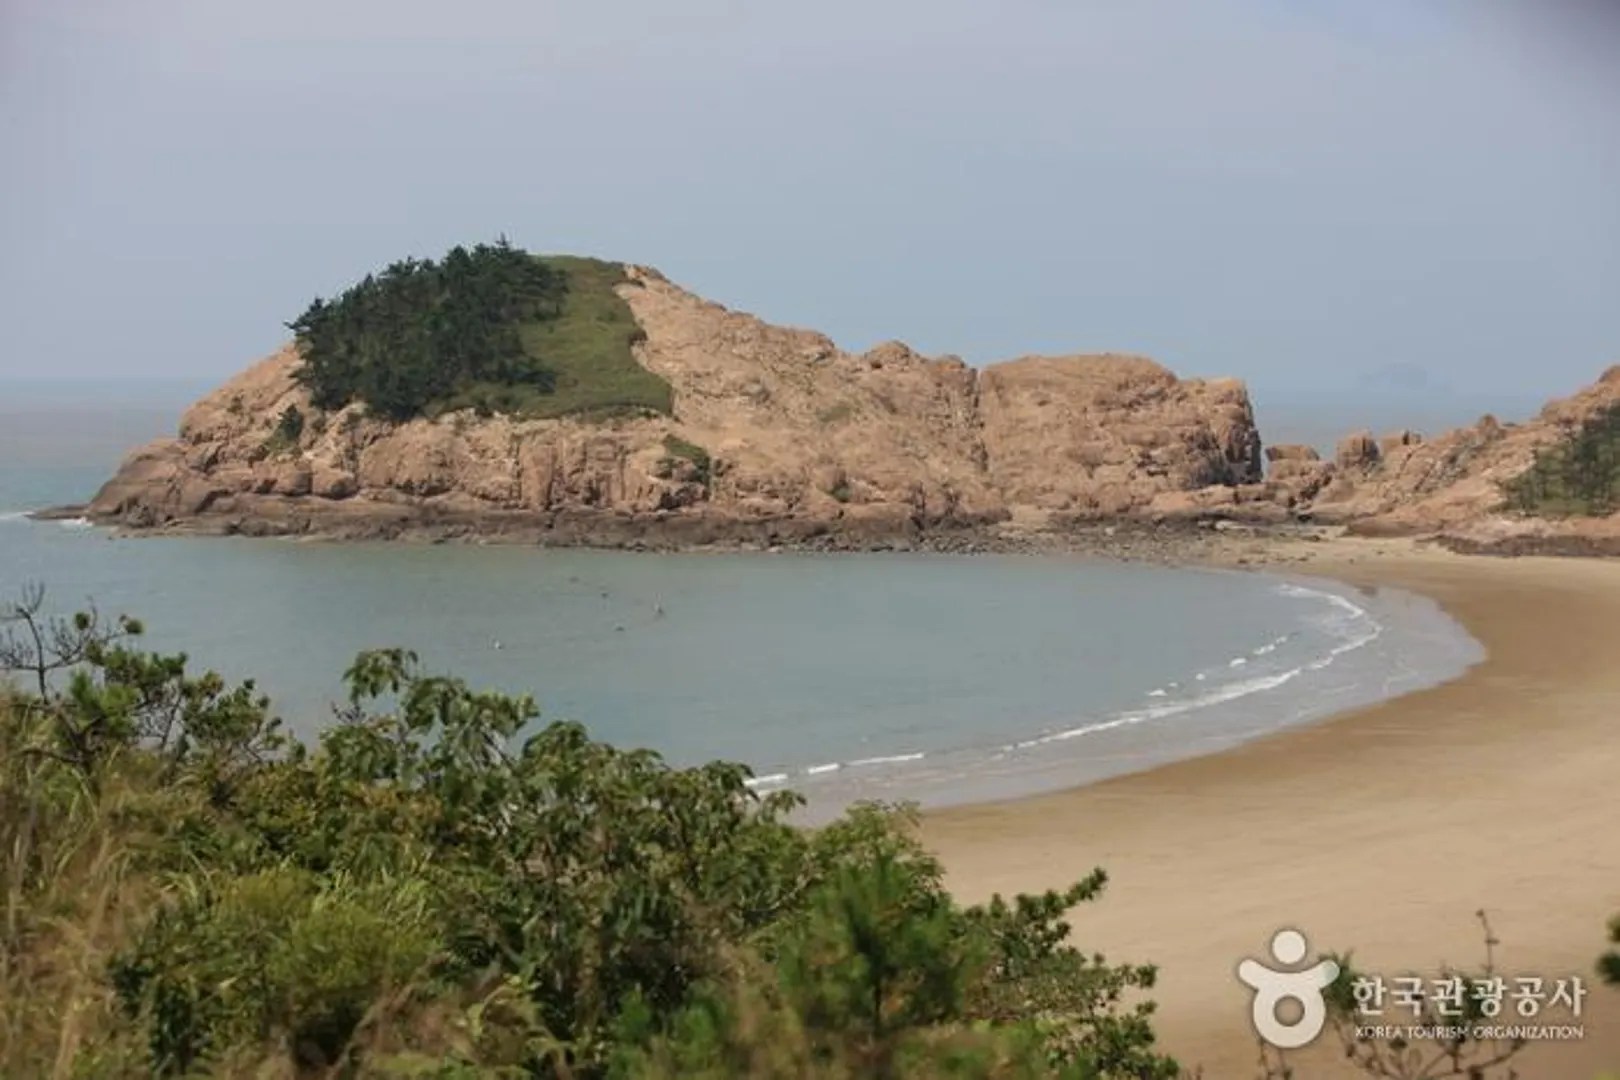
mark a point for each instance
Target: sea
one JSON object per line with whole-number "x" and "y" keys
{"x": 928, "y": 678}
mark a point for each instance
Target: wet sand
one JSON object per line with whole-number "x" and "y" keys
{"x": 1382, "y": 830}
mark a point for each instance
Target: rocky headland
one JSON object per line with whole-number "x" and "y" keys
{"x": 776, "y": 437}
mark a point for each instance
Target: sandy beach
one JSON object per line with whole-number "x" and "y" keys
{"x": 1383, "y": 830}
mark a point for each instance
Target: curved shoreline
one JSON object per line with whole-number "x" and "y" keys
{"x": 1380, "y": 829}
{"x": 1391, "y": 643}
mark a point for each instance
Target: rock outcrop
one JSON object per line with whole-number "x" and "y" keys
{"x": 1451, "y": 487}
{"x": 1110, "y": 434}
{"x": 776, "y": 434}
{"x": 1295, "y": 474}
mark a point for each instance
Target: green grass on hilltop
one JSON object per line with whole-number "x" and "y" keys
{"x": 588, "y": 348}
{"x": 493, "y": 329}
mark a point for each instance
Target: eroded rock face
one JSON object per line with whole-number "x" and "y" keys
{"x": 1109, "y": 434}
{"x": 796, "y": 430}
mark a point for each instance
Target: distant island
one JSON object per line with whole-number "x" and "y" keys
{"x": 496, "y": 394}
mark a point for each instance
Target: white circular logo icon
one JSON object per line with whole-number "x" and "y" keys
{"x": 1272, "y": 987}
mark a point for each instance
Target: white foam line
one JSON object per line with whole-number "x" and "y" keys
{"x": 75, "y": 523}
{"x": 1238, "y": 662}
{"x": 13, "y": 515}
{"x": 1301, "y": 592}
{"x": 817, "y": 770}
{"x": 1157, "y": 693}
{"x": 762, "y": 781}
{"x": 894, "y": 759}
{"x": 1229, "y": 692}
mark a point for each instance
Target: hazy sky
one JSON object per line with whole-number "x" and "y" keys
{"x": 1316, "y": 195}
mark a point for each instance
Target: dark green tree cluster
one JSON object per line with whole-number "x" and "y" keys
{"x": 191, "y": 892}
{"x": 421, "y": 332}
{"x": 1578, "y": 475}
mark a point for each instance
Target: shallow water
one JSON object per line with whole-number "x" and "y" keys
{"x": 896, "y": 676}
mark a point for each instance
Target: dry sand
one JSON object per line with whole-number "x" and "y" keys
{"x": 1382, "y": 830}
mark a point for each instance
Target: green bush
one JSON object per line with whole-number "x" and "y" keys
{"x": 1609, "y": 963}
{"x": 1579, "y": 475}
{"x": 273, "y": 955}
{"x": 702, "y": 464}
{"x": 289, "y": 429}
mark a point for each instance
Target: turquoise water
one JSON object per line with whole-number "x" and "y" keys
{"x": 930, "y": 677}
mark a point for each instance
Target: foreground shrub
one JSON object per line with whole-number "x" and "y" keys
{"x": 191, "y": 892}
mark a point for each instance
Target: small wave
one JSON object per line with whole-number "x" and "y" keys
{"x": 1352, "y": 613}
{"x": 75, "y": 523}
{"x": 893, "y": 759}
{"x": 776, "y": 779}
{"x": 13, "y": 515}
{"x": 1264, "y": 649}
{"x": 1354, "y": 626}
{"x": 1157, "y": 693}
{"x": 1238, "y": 661}
{"x": 1229, "y": 692}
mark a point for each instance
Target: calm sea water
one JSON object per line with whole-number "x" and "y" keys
{"x": 929, "y": 677}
